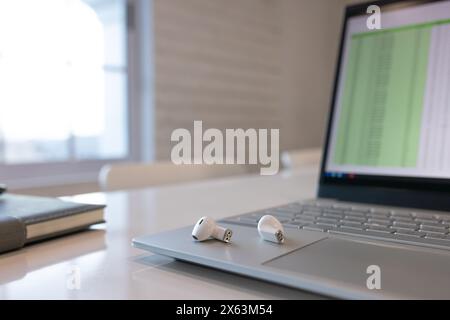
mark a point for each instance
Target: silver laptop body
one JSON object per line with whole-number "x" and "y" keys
{"x": 379, "y": 228}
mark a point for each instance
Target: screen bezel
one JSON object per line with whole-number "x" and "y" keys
{"x": 429, "y": 193}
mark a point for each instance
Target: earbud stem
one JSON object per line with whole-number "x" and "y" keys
{"x": 222, "y": 234}
{"x": 273, "y": 236}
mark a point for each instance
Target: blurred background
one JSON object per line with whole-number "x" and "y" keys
{"x": 84, "y": 83}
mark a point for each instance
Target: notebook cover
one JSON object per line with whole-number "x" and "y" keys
{"x": 17, "y": 211}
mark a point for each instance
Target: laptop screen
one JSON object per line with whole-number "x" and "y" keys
{"x": 391, "y": 114}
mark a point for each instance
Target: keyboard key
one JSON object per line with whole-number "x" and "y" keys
{"x": 352, "y": 226}
{"x": 325, "y": 225}
{"x": 401, "y": 214}
{"x": 443, "y": 217}
{"x": 277, "y": 213}
{"x": 325, "y": 204}
{"x": 249, "y": 216}
{"x": 311, "y": 213}
{"x": 292, "y": 225}
{"x": 342, "y": 206}
{"x": 411, "y": 233}
{"x": 380, "y": 211}
{"x": 405, "y": 225}
{"x": 311, "y": 208}
{"x": 283, "y": 219}
{"x": 351, "y": 223}
{"x": 280, "y": 214}
{"x": 288, "y": 209}
{"x": 304, "y": 217}
{"x": 379, "y": 221}
{"x": 255, "y": 216}
{"x": 425, "y": 215}
{"x": 333, "y": 215}
{"x": 380, "y": 229}
{"x": 437, "y": 234}
{"x": 424, "y": 220}
{"x": 399, "y": 228}
{"x": 347, "y": 231}
{"x": 437, "y": 237}
{"x": 434, "y": 225}
{"x": 403, "y": 219}
{"x": 333, "y": 211}
{"x": 375, "y": 225}
{"x": 351, "y": 218}
{"x": 360, "y": 209}
{"x": 327, "y": 220}
{"x": 313, "y": 227}
{"x": 380, "y": 218}
{"x": 354, "y": 214}
{"x": 433, "y": 229}
{"x": 304, "y": 222}
{"x": 294, "y": 222}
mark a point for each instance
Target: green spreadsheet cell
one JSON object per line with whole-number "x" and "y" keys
{"x": 382, "y": 104}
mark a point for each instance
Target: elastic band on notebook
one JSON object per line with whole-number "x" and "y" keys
{"x": 12, "y": 233}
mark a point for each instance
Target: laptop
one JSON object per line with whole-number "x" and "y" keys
{"x": 379, "y": 227}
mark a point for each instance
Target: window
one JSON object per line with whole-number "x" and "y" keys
{"x": 63, "y": 83}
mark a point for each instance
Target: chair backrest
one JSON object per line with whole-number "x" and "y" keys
{"x": 300, "y": 158}
{"x": 136, "y": 175}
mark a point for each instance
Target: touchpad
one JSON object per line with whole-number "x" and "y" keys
{"x": 404, "y": 271}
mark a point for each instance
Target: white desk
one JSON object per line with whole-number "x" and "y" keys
{"x": 111, "y": 269}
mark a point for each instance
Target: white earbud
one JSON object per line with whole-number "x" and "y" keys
{"x": 206, "y": 228}
{"x": 270, "y": 229}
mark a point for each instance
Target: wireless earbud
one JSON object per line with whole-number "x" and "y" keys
{"x": 206, "y": 228}
{"x": 270, "y": 229}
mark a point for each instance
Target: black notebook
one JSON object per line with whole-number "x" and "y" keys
{"x": 26, "y": 219}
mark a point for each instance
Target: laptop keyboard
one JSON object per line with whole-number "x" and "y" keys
{"x": 422, "y": 228}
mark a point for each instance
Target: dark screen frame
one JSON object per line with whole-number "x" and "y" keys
{"x": 415, "y": 192}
